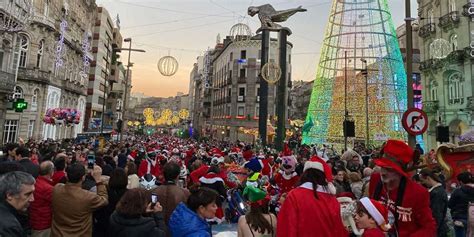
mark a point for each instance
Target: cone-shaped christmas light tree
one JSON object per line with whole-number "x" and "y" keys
{"x": 360, "y": 35}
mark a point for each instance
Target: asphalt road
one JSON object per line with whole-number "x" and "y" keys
{"x": 224, "y": 230}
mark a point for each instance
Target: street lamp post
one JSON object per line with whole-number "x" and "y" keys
{"x": 409, "y": 65}
{"x": 129, "y": 49}
{"x": 366, "y": 73}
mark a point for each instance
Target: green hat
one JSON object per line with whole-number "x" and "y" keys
{"x": 254, "y": 194}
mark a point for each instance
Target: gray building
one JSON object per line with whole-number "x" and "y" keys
{"x": 300, "y": 96}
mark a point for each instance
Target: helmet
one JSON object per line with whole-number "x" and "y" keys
{"x": 288, "y": 163}
{"x": 148, "y": 181}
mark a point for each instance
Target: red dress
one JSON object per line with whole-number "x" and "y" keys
{"x": 302, "y": 215}
{"x": 286, "y": 182}
{"x": 415, "y": 218}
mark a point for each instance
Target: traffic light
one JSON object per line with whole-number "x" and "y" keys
{"x": 19, "y": 105}
{"x": 115, "y": 55}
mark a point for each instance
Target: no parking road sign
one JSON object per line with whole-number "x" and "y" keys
{"x": 415, "y": 121}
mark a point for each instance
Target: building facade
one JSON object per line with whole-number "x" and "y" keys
{"x": 49, "y": 57}
{"x": 447, "y": 66}
{"x": 105, "y": 72}
{"x": 300, "y": 95}
{"x": 232, "y": 97}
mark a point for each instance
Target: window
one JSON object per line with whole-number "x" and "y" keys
{"x": 23, "y": 50}
{"x": 242, "y": 73}
{"x": 455, "y": 87}
{"x": 452, "y": 5}
{"x": 430, "y": 17}
{"x": 34, "y": 100}
{"x": 243, "y": 54}
{"x": 18, "y": 93}
{"x": 231, "y": 57}
{"x": 259, "y": 54}
{"x": 10, "y": 131}
{"x": 257, "y": 111}
{"x": 454, "y": 41}
{"x": 39, "y": 55}
{"x": 242, "y": 91}
{"x": 240, "y": 111}
{"x": 1, "y": 59}
{"x": 31, "y": 128}
{"x": 101, "y": 100}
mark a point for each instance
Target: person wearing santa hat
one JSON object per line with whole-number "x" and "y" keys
{"x": 311, "y": 209}
{"x": 286, "y": 178}
{"x": 150, "y": 166}
{"x": 372, "y": 217}
{"x": 408, "y": 202}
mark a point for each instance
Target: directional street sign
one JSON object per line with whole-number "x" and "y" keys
{"x": 415, "y": 121}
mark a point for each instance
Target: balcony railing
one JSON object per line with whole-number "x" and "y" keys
{"x": 430, "y": 64}
{"x": 44, "y": 21}
{"x": 34, "y": 75}
{"x": 241, "y": 80}
{"x": 7, "y": 82}
{"x": 427, "y": 30}
{"x": 470, "y": 102}
{"x": 430, "y": 106}
{"x": 449, "y": 19}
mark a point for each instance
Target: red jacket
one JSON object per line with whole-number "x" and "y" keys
{"x": 41, "y": 209}
{"x": 285, "y": 184}
{"x": 198, "y": 173}
{"x": 154, "y": 169}
{"x": 415, "y": 218}
{"x": 302, "y": 215}
{"x": 58, "y": 176}
{"x": 376, "y": 232}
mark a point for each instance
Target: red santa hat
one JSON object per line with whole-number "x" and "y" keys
{"x": 395, "y": 155}
{"x": 377, "y": 211}
{"x": 318, "y": 163}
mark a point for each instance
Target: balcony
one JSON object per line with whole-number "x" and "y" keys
{"x": 68, "y": 86}
{"x": 430, "y": 106}
{"x": 449, "y": 19}
{"x": 241, "y": 80}
{"x": 227, "y": 99}
{"x": 7, "y": 82}
{"x": 430, "y": 64}
{"x": 43, "y": 21}
{"x": 457, "y": 56}
{"x": 427, "y": 30}
{"x": 34, "y": 75}
{"x": 468, "y": 10}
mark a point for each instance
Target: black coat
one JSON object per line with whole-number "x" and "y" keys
{"x": 9, "y": 224}
{"x": 102, "y": 216}
{"x": 439, "y": 207}
{"x": 30, "y": 167}
{"x": 121, "y": 226}
{"x": 459, "y": 202}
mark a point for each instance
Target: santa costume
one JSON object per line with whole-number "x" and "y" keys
{"x": 150, "y": 166}
{"x": 305, "y": 215}
{"x": 409, "y": 203}
{"x": 214, "y": 181}
{"x": 379, "y": 213}
{"x": 286, "y": 178}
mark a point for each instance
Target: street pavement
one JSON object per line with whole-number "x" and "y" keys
{"x": 224, "y": 230}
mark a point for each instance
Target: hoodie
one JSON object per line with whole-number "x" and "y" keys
{"x": 459, "y": 201}
{"x": 122, "y": 226}
{"x": 186, "y": 223}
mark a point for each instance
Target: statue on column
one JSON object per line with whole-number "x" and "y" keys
{"x": 268, "y": 16}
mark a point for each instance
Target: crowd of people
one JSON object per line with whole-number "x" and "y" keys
{"x": 167, "y": 186}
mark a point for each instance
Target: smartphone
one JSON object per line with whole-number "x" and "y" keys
{"x": 90, "y": 161}
{"x": 154, "y": 199}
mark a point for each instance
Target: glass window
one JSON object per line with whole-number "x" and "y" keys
{"x": 10, "y": 131}
{"x": 39, "y": 55}
{"x": 231, "y": 57}
{"x": 18, "y": 93}
{"x": 242, "y": 91}
{"x": 240, "y": 111}
{"x": 31, "y": 128}
{"x": 243, "y": 54}
{"x": 242, "y": 73}
{"x": 23, "y": 50}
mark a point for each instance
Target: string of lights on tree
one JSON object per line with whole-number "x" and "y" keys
{"x": 365, "y": 31}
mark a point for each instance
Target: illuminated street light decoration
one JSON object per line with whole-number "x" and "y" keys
{"x": 166, "y": 113}
{"x": 168, "y": 66}
{"x": 369, "y": 35}
{"x": 137, "y": 123}
{"x": 148, "y": 112}
{"x": 440, "y": 48}
{"x": 175, "y": 119}
{"x": 86, "y": 47}
{"x": 271, "y": 72}
{"x": 169, "y": 122}
{"x": 15, "y": 15}
{"x": 206, "y": 70}
{"x": 240, "y": 33}
{"x": 60, "y": 49}
{"x": 130, "y": 123}
{"x": 183, "y": 114}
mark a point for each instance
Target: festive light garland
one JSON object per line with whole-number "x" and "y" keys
{"x": 60, "y": 45}
{"x": 86, "y": 47}
{"x": 368, "y": 35}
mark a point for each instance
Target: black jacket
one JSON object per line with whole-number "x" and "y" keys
{"x": 439, "y": 207}
{"x": 459, "y": 202}
{"x": 9, "y": 224}
{"x": 121, "y": 226}
{"x": 102, "y": 216}
{"x": 30, "y": 167}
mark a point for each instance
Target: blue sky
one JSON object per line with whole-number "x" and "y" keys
{"x": 186, "y": 28}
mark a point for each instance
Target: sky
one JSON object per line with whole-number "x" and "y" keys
{"x": 184, "y": 29}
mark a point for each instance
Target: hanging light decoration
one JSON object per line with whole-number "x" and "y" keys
{"x": 169, "y": 122}
{"x": 168, "y": 66}
{"x": 15, "y": 15}
{"x": 148, "y": 112}
{"x": 271, "y": 72}
{"x": 183, "y": 114}
{"x": 240, "y": 33}
{"x": 175, "y": 119}
{"x": 130, "y": 123}
{"x": 440, "y": 48}
{"x": 166, "y": 113}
